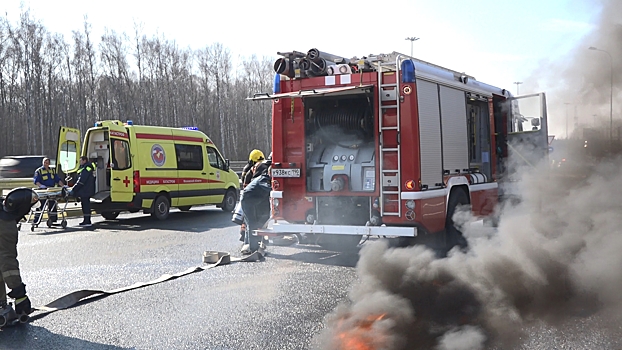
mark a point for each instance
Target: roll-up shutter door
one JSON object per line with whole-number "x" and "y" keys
{"x": 454, "y": 128}
{"x": 429, "y": 134}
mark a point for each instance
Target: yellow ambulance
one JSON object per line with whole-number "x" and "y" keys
{"x": 149, "y": 168}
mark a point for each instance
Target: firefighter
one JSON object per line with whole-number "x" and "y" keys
{"x": 85, "y": 188}
{"x": 14, "y": 207}
{"x": 255, "y": 202}
{"x": 254, "y": 157}
{"x": 247, "y": 175}
{"x": 46, "y": 177}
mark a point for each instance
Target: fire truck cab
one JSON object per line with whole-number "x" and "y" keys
{"x": 390, "y": 145}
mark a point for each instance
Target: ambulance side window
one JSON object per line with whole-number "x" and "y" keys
{"x": 120, "y": 155}
{"x": 215, "y": 160}
{"x": 189, "y": 157}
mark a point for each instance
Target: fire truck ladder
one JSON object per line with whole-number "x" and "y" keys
{"x": 388, "y": 99}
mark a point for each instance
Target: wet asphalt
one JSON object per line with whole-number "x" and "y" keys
{"x": 279, "y": 303}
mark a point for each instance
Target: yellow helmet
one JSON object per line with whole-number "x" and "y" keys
{"x": 256, "y": 156}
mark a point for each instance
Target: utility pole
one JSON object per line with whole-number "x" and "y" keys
{"x": 610, "y": 97}
{"x": 567, "y": 104}
{"x": 412, "y": 40}
{"x": 517, "y": 84}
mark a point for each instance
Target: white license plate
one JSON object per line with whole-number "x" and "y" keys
{"x": 285, "y": 172}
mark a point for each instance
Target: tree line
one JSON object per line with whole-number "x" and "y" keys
{"x": 47, "y": 82}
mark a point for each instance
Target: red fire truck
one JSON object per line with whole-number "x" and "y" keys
{"x": 390, "y": 145}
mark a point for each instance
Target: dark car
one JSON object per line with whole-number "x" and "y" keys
{"x": 20, "y": 166}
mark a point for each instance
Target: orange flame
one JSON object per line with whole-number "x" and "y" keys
{"x": 359, "y": 337}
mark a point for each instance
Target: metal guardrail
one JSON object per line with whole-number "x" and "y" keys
{"x": 9, "y": 184}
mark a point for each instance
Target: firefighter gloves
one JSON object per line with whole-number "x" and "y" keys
{"x": 22, "y": 303}
{"x": 23, "y": 306}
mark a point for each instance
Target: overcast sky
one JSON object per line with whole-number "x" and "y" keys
{"x": 497, "y": 42}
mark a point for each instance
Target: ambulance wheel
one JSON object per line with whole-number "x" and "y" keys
{"x": 185, "y": 208}
{"x": 229, "y": 201}
{"x": 63, "y": 223}
{"x": 453, "y": 235}
{"x": 110, "y": 215}
{"x": 339, "y": 243}
{"x": 161, "y": 207}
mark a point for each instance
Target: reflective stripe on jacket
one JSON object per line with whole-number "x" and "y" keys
{"x": 46, "y": 177}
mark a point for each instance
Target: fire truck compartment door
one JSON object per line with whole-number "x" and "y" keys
{"x": 121, "y": 177}
{"x": 334, "y": 91}
{"x": 68, "y": 150}
{"x": 528, "y": 139}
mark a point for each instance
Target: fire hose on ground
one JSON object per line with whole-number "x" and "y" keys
{"x": 211, "y": 259}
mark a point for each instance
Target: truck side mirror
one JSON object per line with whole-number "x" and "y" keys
{"x": 228, "y": 164}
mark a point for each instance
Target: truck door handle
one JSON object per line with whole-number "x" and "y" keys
{"x": 116, "y": 179}
{"x": 211, "y": 173}
{"x": 203, "y": 173}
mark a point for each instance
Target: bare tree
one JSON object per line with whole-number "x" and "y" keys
{"x": 46, "y": 82}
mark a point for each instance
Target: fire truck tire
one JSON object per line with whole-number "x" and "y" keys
{"x": 110, "y": 215}
{"x": 339, "y": 243}
{"x": 453, "y": 236}
{"x": 161, "y": 207}
{"x": 229, "y": 201}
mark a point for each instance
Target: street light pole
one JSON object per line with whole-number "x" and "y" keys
{"x": 412, "y": 40}
{"x": 517, "y": 84}
{"x": 610, "y": 98}
{"x": 567, "y": 104}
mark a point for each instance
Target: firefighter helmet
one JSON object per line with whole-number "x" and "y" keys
{"x": 19, "y": 201}
{"x": 256, "y": 156}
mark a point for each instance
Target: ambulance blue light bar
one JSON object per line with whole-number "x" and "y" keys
{"x": 190, "y": 128}
{"x": 129, "y": 122}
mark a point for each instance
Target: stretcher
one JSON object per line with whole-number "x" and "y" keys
{"x": 55, "y": 202}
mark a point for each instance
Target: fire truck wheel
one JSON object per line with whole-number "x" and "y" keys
{"x": 229, "y": 201}
{"x": 110, "y": 215}
{"x": 339, "y": 243}
{"x": 161, "y": 207}
{"x": 453, "y": 236}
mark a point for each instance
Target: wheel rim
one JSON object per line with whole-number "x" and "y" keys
{"x": 162, "y": 208}
{"x": 230, "y": 200}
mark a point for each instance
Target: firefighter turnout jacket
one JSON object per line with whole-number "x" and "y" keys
{"x": 9, "y": 267}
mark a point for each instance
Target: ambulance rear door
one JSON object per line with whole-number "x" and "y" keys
{"x": 68, "y": 150}
{"x": 121, "y": 177}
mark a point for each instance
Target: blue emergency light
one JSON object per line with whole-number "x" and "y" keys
{"x": 408, "y": 71}
{"x": 129, "y": 122}
{"x": 190, "y": 128}
{"x": 277, "y": 84}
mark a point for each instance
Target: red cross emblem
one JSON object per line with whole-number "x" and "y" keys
{"x": 126, "y": 181}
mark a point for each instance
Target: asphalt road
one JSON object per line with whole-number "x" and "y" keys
{"x": 279, "y": 303}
